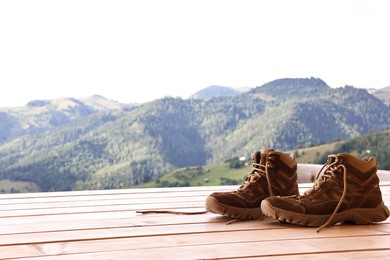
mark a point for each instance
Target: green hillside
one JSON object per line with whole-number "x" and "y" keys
{"x": 373, "y": 144}
{"x": 7, "y": 186}
{"x": 210, "y": 175}
{"x": 227, "y": 173}
{"x": 119, "y": 148}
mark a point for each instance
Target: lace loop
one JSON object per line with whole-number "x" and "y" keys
{"x": 259, "y": 170}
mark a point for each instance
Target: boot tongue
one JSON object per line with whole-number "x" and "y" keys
{"x": 260, "y": 158}
{"x": 266, "y": 151}
{"x": 264, "y": 154}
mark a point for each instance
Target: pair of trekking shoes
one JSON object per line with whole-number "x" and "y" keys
{"x": 348, "y": 190}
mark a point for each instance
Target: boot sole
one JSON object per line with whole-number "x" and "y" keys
{"x": 214, "y": 206}
{"x": 360, "y": 216}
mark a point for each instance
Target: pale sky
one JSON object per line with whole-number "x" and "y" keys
{"x": 141, "y": 50}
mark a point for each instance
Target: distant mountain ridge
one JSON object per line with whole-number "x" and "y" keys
{"x": 44, "y": 115}
{"x": 101, "y": 103}
{"x": 383, "y": 94}
{"x": 116, "y": 148}
{"x": 217, "y": 91}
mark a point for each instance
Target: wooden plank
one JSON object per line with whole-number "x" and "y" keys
{"x": 118, "y": 192}
{"x": 141, "y": 228}
{"x": 234, "y": 250}
{"x": 102, "y": 208}
{"x": 357, "y": 254}
{"x": 52, "y": 225}
{"x": 40, "y": 223}
{"x": 15, "y": 252}
{"x": 151, "y": 228}
{"x": 188, "y": 238}
{"x": 128, "y": 217}
{"x": 59, "y": 199}
{"x": 99, "y": 202}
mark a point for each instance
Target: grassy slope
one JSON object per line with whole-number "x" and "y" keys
{"x": 203, "y": 176}
{"x": 309, "y": 154}
{"x": 214, "y": 173}
{"x": 7, "y": 186}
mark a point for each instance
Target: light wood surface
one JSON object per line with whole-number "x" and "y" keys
{"x": 105, "y": 225}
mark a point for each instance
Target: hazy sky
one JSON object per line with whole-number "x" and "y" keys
{"x": 140, "y": 50}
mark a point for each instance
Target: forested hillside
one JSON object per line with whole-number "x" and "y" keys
{"x": 234, "y": 170}
{"x": 122, "y": 147}
{"x": 373, "y": 144}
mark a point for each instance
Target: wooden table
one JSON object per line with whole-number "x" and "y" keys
{"x": 105, "y": 225}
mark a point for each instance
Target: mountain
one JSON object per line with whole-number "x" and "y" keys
{"x": 383, "y": 94}
{"x": 288, "y": 89}
{"x": 119, "y": 148}
{"x": 215, "y": 91}
{"x": 39, "y": 116}
{"x": 101, "y": 103}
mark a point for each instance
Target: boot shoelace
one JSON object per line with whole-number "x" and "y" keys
{"x": 259, "y": 170}
{"x": 330, "y": 172}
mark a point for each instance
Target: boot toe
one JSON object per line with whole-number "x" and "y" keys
{"x": 286, "y": 203}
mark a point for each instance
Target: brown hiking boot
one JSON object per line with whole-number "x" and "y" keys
{"x": 273, "y": 173}
{"x": 347, "y": 191}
